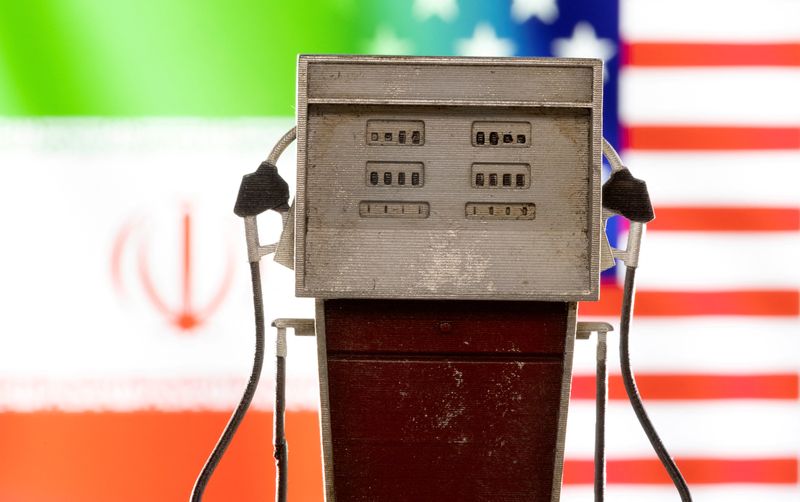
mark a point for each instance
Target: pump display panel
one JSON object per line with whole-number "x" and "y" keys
{"x": 412, "y": 186}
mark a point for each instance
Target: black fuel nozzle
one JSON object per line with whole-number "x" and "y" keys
{"x": 261, "y": 191}
{"x": 623, "y": 194}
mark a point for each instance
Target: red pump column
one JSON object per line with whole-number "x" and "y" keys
{"x": 444, "y": 400}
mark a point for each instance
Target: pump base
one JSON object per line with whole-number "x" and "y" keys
{"x": 444, "y": 400}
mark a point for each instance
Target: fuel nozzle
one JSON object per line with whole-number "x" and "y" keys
{"x": 261, "y": 191}
{"x": 625, "y": 195}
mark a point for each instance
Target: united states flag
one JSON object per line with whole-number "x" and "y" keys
{"x": 710, "y": 118}
{"x": 125, "y": 322}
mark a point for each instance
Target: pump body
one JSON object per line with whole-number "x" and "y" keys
{"x": 447, "y": 221}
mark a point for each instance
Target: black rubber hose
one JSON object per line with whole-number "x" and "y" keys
{"x": 238, "y": 414}
{"x": 633, "y": 391}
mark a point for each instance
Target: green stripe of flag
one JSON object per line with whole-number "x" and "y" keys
{"x": 172, "y": 57}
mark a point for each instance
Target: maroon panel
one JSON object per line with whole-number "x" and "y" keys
{"x": 424, "y": 430}
{"x": 445, "y": 326}
{"x": 417, "y": 414}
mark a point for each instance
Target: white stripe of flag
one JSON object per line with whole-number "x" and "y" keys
{"x": 710, "y": 20}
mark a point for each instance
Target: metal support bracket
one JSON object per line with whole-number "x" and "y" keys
{"x": 583, "y": 332}
{"x": 629, "y": 255}
{"x": 585, "y": 329}
{"x": 301, "y": 327}
{"x": 255, "y": 251}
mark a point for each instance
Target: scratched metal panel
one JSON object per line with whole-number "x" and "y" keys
{"x": 442, "y": 252}
{"x": 424, "y": 327}
{"x": 332, "y": 80}
{"x": 350, "y": 395}
{"x": 455, "y": 422}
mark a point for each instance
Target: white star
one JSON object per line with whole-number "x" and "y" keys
{"x": 584, "y": 44}
{"x": 386, "y": 43}
{"x": 484, "y": 42}
{"x": 445, "y": 9}
{"x": 546, "y": 10}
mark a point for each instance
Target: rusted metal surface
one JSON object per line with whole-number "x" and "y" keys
{"x": 444, "y": 400}
{"x": 441, "y": 327}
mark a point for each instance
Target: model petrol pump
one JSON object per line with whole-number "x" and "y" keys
{"x": 449, "y": 219}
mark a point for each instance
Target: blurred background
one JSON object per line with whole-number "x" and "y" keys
{"x": 125, "y": 317}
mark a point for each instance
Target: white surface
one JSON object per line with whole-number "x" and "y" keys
{"x": 718, "y": 261}
{"x": 756, "y": 178}
{"x": 76, "y": 184}
{"x": 729, "y": 96}
{"x": 710, "y": 20}
{"x": 708, "y": 345}
{"x": 734, "y": 429}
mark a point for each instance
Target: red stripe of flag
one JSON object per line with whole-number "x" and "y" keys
{"x": 695, "y": 386}
{"x": 710, "y": 138}
{"x": 149, "y": 455}
{"x": 706, "y": 471}
{"x": 726, "y": 219}
{"x": 658, "y": 54}
{"x": 758, "y": 303}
